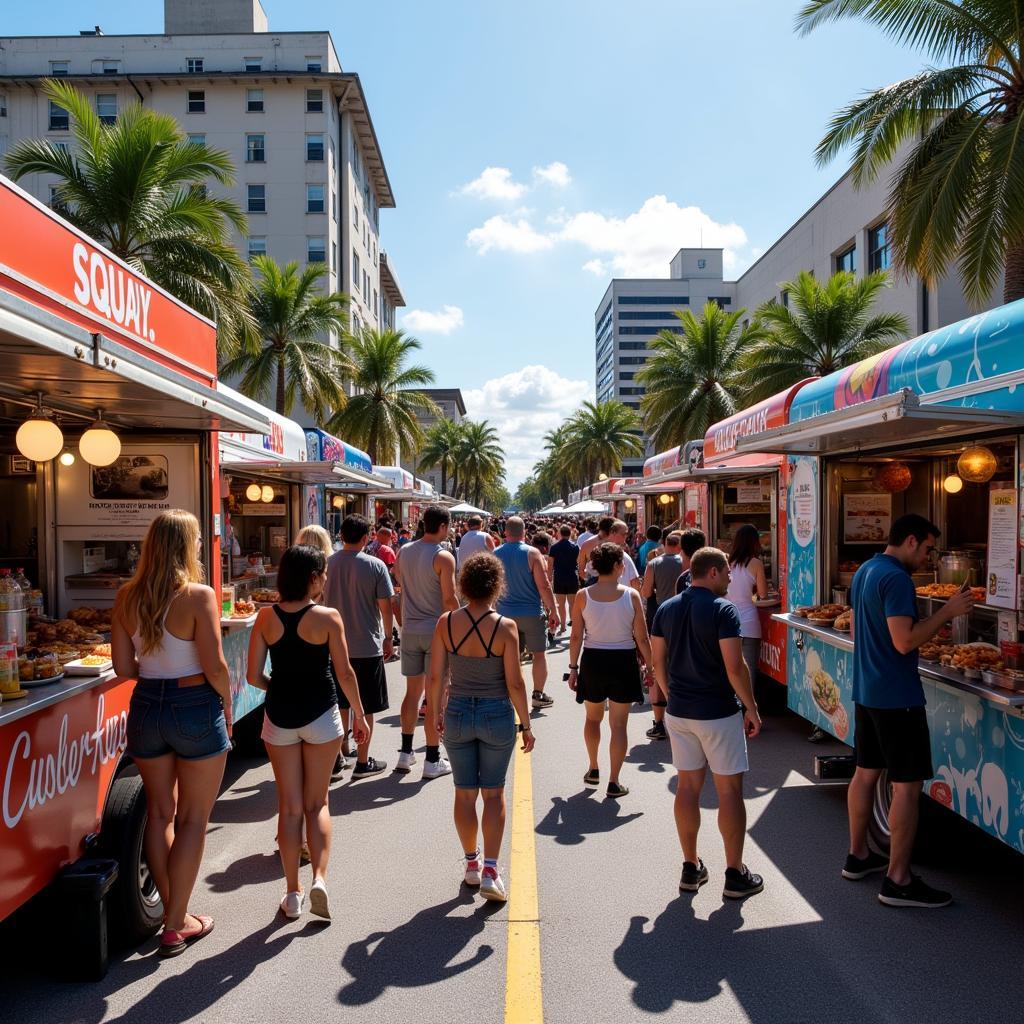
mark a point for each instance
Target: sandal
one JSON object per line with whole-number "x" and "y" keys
{"x": 173, "y": 943}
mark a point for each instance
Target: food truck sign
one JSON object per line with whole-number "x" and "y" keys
{"x": 722, "y": 438}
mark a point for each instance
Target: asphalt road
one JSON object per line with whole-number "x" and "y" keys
{"x": 618, "y": 943}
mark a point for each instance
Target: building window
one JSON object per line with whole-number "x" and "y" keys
{"x": 109, "y": 67}
{"x": 334, "y": 256}
{"x": 357, "y": 324}
{"x": 314, "y": 101}
{"x": 197, "y": 138}
{"x": 626, "y": 376}
{"x": 255, "y": 149}
{"x": 355, "y": 215}
{"x": 355, "y": 268}
{"x": 254, "y": 65}
{"x": 62, "y": 146}
{"x": 314, "y": 199}
{"x": 257, "y": 246}
{"x": 3, "y": 106}
{"x": 194, "y": 65}
{"x": 196, "y": 101}
{"x": 315, "y": 249}
{"x": 55, "y": 203}
{"x": 366, "y": 288}
{"x": 375, "y": 303}
{"x": 647, "y": 316}
{"x": 784, "y": 297}
{"x": 847, "y": 260}
{"x": 314, "y": 148}
{"x": 334, "y": 208}
{"x": 632, "y": 345}
{"x": 256, "y": 196}
{"x": 720, "y": 300}
{"x": 654, "y": 300}
{"x": 254, "y": 101}
{"x": 106, "y": 108}
{"x": 879, "y": 253}
{"x": 58, "y": 118}
{"x": 58, "y": 68}
{"x": 313, "y": 64}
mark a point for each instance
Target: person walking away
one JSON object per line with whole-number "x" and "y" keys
{"x": 660, "y": 576}
{"x": 426, "y": 574}
{"x": 649, "y": 547}
{"x": 566, "y": 582}
{"x": 542, "y": 542}
{"x": 527, "y": 593}
{"x": 475, "y": 540}
{"x": 359, "y": 589}
{"x": 608, "y": 629}
{"x": 746, "y": 580}
{"x": 690, "y": 542}
{"x": 891, "y": 727}
{"x": 589, "y": 531}
{"x": 698, "y": 661}
{"x": 609, "y": 530}
{"x": 166, "y": 634}
{"x": 475, "y": 713}
{"x": 302, "y": 727}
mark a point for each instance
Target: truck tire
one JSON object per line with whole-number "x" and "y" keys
{"x": 136, "y": 910}
{"x": 878, "y": 825}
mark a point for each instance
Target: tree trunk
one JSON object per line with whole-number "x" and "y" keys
{"x": 444, "y": 476}
{"x": 1013, "y": 285}
{"x": 279, "y": 405}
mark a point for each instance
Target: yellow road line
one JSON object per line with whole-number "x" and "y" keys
{"x": 523, "y": 999}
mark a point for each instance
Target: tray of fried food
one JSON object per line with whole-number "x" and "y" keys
{"x": 844, "y": 621}
{"x": 972, "y": 659}
{"x": 100, "y": 650}
{"x": 933, "y": 650}
{"x": 95, "y": 620}
{"x": 944, "y": 591}
{"x": 826, "y": 614}
{"x": 265, "y": 595}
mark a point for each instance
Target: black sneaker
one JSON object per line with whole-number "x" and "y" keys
{"x": 857, "y": 868}
{"x": 592, "y": 778}
{"x": 541, "y": 700}
{"x": 693, "y": 877}
{"x": 657, "y": 732}
{"x": 372, "y": 767}
{"x": 915, "y": 894}
{"x": 741, "y": 884}
{"x": 340, "y": 764}
{"x": 551, "y": 639}
{"x": 615, "y": 790}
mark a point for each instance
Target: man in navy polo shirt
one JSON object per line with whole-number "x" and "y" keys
{"x": 890, "y": 721}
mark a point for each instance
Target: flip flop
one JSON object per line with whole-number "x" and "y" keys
{"x": 174, "y": 943}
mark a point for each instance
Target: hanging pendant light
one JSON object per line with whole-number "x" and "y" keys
{"x": 267, "y": 493}
{"x": 254, "y": 492}
{"x": 664, "y": 499}
{"x": 977, "y": 464}
{"x": 99, "y": 445}
{"x": 39, "y": 438}
{"x": 894, "y": 477}
{"x": 67, "y": 457}
{"x": 952, "y": 484}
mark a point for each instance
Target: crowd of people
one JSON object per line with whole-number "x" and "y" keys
{"x": 467, "y": 607}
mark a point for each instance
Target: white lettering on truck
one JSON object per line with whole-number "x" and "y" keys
{"x": 108, "y": 289}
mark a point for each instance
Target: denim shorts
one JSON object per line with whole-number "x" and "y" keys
{"x": 188, "y": 721}
{"x": 479, "y": 735}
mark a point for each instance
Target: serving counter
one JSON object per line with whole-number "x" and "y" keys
{"x": 40, "y": 697}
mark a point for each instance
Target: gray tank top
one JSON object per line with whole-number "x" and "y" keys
{"x": 421, "y": 588}
{"x": 476, "y": 677}
{"x": 667, "y": 569}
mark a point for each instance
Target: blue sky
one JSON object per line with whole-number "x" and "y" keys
{"x": 615, "y": 133}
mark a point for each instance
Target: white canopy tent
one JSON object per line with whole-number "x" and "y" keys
{"x": 465, "y": 508}
{"x": 585, "y": 507}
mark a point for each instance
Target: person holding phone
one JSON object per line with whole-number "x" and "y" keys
{"x": 698, "y": 661}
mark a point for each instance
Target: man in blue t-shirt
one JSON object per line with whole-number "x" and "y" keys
{"x": 891, "y": 728}
{"x": 698, "y": 662}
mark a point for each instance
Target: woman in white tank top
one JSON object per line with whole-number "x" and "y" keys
{"x": 747, "y": 580}
{"x": 608, "y": 629}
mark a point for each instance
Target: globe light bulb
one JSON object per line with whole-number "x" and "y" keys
{"x": 67, "y": 458}
{"x": 254, "y": 492}
{"x": 39, "y": 439}
{"x": 267, "y": 493}
{"x": 977, "y": 464}
{"x": 664, "y": 499}
{"x": 99, "y": 445}
{"x": 952, "y": 484}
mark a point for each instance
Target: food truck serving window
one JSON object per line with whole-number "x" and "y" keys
{"x": 747, "y": 500}
{"x": 258, "y": 516}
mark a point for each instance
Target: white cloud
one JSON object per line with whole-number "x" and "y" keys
{"x": 642, "y": 243}
{"x": 596, "y": 267}
{"x": 523, "y": 406}
{"x": 444, "y": 322}
{"x": 493, "y": 183}
{"x": 508, "y": 235}
{"x": 555, "y": 173}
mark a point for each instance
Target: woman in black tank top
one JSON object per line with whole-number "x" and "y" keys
{"x": 302, "y": 726}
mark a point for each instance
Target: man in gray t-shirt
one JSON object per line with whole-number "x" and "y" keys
{"x": 359, "y": 587}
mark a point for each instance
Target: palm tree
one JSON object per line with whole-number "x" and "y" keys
{"x": 824, "y": 328}
{"x": 957, "y": 196}
{"x": 439, "y": 448}
{"x": 480, "y": 457}
{"x": 598, "y": 436}
{"x": 381, "y": 415}
{"x": 139, "y": 188}
{"x": 290, "y": 313}
{"x": 694, "y": 378}
{"x": 551, "y": 473}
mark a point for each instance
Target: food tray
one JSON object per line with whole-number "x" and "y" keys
{"x": 815, "y": 620}
{"x": 1005, "y": 679}
{"x": 77, "y": 668}
{"x": 32, "y": 683}
{"x": 768, "y": 602}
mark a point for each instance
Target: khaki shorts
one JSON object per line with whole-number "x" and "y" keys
{"x": 717, "y": 743}
{"x": 415, "y": 650}
{"x": 533, "y": 629}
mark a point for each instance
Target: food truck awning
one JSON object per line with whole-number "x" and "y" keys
{"x": 333, "y": 473}
{"x": 900, "y": 418}
{"x": 80, "y": 372}
{"x": 676, "y": 480}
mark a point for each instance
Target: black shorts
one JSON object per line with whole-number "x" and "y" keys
{"x": 896, "y": 739}
{"x": 566, "y": 586}
{"x": 609, "y": 675}
{"x": 373, "y": 685}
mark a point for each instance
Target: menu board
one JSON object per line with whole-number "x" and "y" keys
{"x": 750, "y": 494}
{"x": 803, "y": 503}
{"x": 866, "y": 518}
{"x": 1001, "y": 578}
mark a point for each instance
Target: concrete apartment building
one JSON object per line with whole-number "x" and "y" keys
{"x": 844, "y": 230}
{"x": 310, "y": 174}
{"x": 453, "y": 407}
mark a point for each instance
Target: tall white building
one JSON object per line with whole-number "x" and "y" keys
{"x": 310, "y": 174}
{"x": 845, "y": 229}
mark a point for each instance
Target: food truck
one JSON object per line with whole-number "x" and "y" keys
{"x": 349, "y": 490}
{"x": 404, "y": 497}
{"x": 931, "y": 426}
{"x": 109, "y": 414}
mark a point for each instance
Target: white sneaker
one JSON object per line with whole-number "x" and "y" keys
{"x": 493, "y": 888}
{"x": 291, "y": 904}
{"x": 435, "y": 769}
{"x": 319, "y": 901}
{"x": 473, "y": 871}
{"x": 405, "y": 762}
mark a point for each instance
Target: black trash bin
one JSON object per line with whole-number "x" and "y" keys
{"x": 82, "y": 888}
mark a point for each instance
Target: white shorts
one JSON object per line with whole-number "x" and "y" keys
{"x": 323, "y": 730}
{"x": 718, "y": 743}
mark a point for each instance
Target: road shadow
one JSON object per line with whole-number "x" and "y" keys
{"x": 254, "y": 869}
{"x": 571, "y": 821}
{"x": 651, "y": 756}
{"x": 374, "y": 793}
{"x": 246, "y": 804}
{"x": 418, "y": 953}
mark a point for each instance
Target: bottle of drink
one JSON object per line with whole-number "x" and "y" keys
{"x": 11, "y": 596}
{"x": 23, "y": 581}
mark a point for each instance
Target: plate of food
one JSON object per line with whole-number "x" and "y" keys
{"x": 933, "y": 649}
{"x": 843, "y": 622}
{"x": 825, "y": 692}
{"x": 90, "y": 665}
{"x": 41, "y": 681}
{"x": 264, "y": 595}
{"x": 972, "y": 659}
{"x": 769, "y": 601}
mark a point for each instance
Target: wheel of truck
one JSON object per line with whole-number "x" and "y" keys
{"x": 136, "y": 910}
{"x": 878, "y": 825}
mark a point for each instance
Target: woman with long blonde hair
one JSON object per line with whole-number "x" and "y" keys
{"x": 166, "y": 634}
{"x": 314, "y": 536}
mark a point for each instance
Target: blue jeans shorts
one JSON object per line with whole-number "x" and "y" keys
{"x": 479, "y": 736}
{"x": 188, "y": 721}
